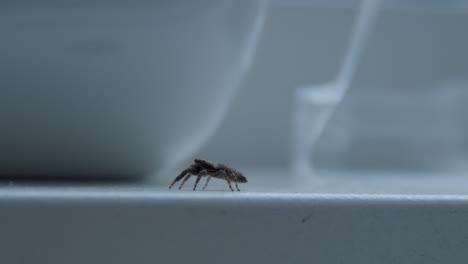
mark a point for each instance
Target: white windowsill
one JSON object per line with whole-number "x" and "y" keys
{"x": 400, "y": 220}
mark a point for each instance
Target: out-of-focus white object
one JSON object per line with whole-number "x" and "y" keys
{"x": 99, "y": 89}
{"x": 316, "y": 103}
{"x": 420, "y": 130}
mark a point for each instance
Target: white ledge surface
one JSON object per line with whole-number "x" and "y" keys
{"x": 358, "y": 219}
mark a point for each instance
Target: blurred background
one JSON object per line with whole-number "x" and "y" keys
{"x": 129, "y": 90}
{"x": 406, "y": 107}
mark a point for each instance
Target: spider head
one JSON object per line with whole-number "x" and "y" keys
{"x": 238, "y": 176}
{"x": 241, "y": 178}
{"x": 232, "y": 174}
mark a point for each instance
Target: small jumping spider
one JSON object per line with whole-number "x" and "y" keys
{"x": 202, "y": 168}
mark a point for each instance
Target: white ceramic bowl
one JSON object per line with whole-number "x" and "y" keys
{"x": 121, "y": 89}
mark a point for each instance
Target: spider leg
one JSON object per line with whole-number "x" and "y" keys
{"x": 230, "y": 187}
{"x": 178, "y": 178}
{"x": 196, "y": 182}
{"x": 186, "y": 178}
{"x": 202, "y": 173}
{"x": 233, "y": 176}
{"x": 207, "y": 181}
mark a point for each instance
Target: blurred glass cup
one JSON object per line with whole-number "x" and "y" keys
{"x": 416, "y": 126}
{"x": 117, "y": 91}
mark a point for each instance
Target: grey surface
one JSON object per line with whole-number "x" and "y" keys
{"x": 271, "y": 221}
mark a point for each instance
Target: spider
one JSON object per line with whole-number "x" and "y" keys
{"x": 202, "y": 168}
